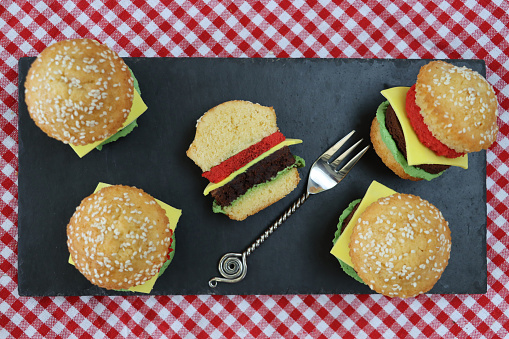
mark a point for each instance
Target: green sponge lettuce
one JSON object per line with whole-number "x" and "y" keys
{"x": 391, "y": 145}
{"x": 348, "y": 269}
{"x": 122, "y": 133}
{"x": 129, "y": 128}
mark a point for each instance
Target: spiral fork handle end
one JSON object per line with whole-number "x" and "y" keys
{"x": 232, "y": 267}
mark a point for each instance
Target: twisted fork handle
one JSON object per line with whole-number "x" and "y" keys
{"x": 233, "y": 266}
{"x": 298, "y": 203}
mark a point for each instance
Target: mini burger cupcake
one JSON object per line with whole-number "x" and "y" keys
{"x": 121, "y": 238}
{"x": 421, "y": 131}
{"x": 81, "y": 93}
{"x": 397, "y": 244}
{"x": 247, "y": 160}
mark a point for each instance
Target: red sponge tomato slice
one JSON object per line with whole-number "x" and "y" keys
{"x": 421, "y": 129}
{"x": 230, "y": 165}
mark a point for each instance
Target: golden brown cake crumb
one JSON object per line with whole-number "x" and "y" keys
{"x": 263, "y": 196}
{"x": 229, "y": 128}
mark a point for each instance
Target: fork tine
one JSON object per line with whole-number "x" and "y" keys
{"x": 330, "y": 152}
{"x": 344, "y": 171}
{"x": 343, "y": 156}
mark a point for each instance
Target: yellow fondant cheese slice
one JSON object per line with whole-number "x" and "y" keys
{"x": 341, "y": 249}
{"x": 417, "y": 153}
{"x": 212, "y": 186}
{"x": 173, "y": 215}
{"x": 137, "y": 109}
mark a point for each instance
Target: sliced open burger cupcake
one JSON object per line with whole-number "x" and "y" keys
{"x": 241, "y": 151}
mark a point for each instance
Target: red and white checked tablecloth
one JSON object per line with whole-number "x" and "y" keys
{"x": 354, "y": 28}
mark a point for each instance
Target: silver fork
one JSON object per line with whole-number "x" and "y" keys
{"x": 323, "y": 176}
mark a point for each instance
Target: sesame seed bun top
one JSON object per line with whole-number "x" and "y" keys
{"x": 119, "y": 237}
{"x": 400, "y": 245}
{"x": 458, "y": 105}
{"x": 79, "y": 91}
{"x": 229, "y": 128}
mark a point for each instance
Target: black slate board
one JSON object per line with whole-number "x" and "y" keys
{"x": 316, "y": 100}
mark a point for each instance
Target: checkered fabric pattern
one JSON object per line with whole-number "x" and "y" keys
{"x": 294, "y": 29}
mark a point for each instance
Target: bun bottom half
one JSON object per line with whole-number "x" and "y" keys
{"x": 385, "y": 154}
{"x": 262, "y": 196}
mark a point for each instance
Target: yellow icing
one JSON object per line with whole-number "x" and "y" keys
{"x": 417, "y": 153}
{"x": 341, "y": 249}
{"x": 173, "y": 215}
{"x": 212, "y": 186}
{"x": 137, "y": 109}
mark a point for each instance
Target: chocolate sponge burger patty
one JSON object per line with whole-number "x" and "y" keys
{"x": 259, "y": 173}
{"x": 396, "y": 131}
